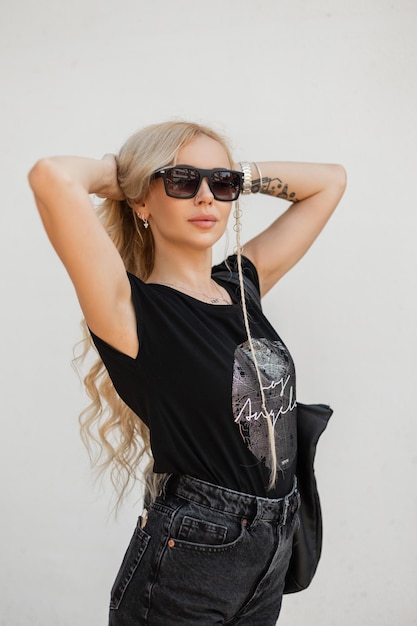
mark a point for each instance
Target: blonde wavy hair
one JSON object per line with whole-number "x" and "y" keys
{"x": 122, "y": 439}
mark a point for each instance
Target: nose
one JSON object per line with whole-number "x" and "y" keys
{"x": 204, "y": 193}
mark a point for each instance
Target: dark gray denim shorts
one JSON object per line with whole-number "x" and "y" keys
{"x": 207, "y": 555}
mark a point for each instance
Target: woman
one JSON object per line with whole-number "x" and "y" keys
{"x": 205, "y": 386}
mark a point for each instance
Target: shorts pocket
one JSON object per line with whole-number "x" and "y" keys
{"x": 131, "y": 560}
{"x": 201, "y": 531}
{"x": 205, "y": 530}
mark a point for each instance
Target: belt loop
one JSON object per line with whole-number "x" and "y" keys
{"x": 259, "y": 512}
{"x": 286, "y": 507}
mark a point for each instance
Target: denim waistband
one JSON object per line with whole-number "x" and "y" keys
{"x": 254, "y": 508}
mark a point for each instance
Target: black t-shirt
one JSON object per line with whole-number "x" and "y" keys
{"x": 194, "y": 384}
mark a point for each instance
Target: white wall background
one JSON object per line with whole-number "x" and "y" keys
{"x": 319, "y": 80}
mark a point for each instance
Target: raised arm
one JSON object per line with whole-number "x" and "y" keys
{"x": 314, "y": 190}
{"x": 61, "y": 186}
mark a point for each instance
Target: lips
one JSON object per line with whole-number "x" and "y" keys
{"x": 203, "y": 220}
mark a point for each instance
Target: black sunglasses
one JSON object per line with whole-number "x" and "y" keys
{"x": 183, "y": 181}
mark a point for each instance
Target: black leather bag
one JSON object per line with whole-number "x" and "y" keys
{"x": 312, "y": 420}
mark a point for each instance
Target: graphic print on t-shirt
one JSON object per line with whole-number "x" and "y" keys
{"x": 278, "y": 381}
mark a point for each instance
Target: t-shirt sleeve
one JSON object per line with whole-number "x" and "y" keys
{"x": 122, "y": 369}
{"x": 106, "y": 351}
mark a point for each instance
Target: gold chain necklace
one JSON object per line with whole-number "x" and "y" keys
{"x": 217, "y": 300}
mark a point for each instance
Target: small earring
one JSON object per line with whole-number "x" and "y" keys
{"x": 144, "y": 220}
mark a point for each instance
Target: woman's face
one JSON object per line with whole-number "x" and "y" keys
{"x": 196, "y": 222}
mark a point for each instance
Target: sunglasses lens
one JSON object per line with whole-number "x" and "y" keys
{"x": 182, "y": 182}
{"x": 225, "y": 185}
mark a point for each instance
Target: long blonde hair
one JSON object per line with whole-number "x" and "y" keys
{"x": 122, "y": 439}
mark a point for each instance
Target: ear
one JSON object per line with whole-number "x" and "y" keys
{"x": 137, "y": 204}
{"x": 140, "y": 208}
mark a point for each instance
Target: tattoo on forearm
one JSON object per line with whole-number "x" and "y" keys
{"x": 274, "y": 187}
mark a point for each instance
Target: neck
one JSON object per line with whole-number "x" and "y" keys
{"x": 188, "y": 270}
{"x": 192, "y": 276}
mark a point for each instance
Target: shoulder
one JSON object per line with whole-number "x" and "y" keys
{"x": 228, "y": 273}
{"x": 141, "y": 291}
{"x": 228, "y": 270}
